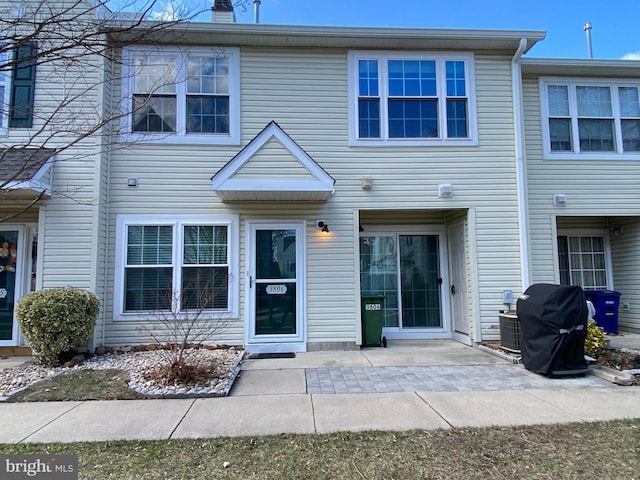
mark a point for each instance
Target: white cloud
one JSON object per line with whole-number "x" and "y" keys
{"x": 631, "y": 56}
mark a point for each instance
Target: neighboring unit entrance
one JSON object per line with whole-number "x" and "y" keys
{"x": 275, "y": 288}
{"x": 9, "y": 275}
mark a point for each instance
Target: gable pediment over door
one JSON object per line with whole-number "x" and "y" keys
{"x": 273, "y": 167}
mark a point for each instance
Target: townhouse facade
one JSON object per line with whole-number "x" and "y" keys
{"x": 270, "y": 176}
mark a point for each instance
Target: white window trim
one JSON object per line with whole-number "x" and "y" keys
{"x": 177, "y": 221}
{"x": 440, "y": 58}
{"x": 4, "y": 107}
{"x": 180, "y": 136}
{"x": 571, "y": 83}
{"x": 588, "y": 232}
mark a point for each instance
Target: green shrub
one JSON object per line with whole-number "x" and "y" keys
{"x": 594, "y": 343}
{"x": 57, "y": 320}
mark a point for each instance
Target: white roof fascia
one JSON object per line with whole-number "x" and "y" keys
{"x": 581, "y": 67}
{"x": 241, "y": 34}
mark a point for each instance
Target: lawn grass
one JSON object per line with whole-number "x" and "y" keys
{"x": 603, "y": 450}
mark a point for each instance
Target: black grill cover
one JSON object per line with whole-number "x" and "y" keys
{"x": 553, "y": 326}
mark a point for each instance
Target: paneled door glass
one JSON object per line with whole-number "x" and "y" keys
{"x": 275, "y": 282}
{"x": 419, "y": 274}
{"x": 8, "y": 265}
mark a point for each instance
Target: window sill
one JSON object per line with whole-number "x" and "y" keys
{"x": 169, "y": 139}
{"x": 595, "y": 156}
{"x": 410, "y": 142}
{"x": 159, "y": 317}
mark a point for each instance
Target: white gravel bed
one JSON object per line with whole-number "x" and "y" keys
{"x": 224, "y": 364}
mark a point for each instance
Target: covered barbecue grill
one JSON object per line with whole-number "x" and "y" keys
{"x": 553, "y": 326}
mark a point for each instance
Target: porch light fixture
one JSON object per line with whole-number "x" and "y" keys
{"x": 618, "y": 231}
{"x": 445, "y": 190}
{"x": 559, "y": 199}
{"x": 132, "y": 182}
{"x": 322, "y": 226}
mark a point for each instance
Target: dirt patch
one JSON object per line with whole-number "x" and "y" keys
{"x": 621, "y": 360}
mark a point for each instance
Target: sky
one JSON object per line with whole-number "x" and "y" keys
{"x": 615, "y": 32}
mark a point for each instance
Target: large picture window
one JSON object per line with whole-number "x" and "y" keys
{"x": 591, "y": 118}
{"x": 411, "y": 98}
{"x": 181, "y": 95}
{"x": 175, "y": 264}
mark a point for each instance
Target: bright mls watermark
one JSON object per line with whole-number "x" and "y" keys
{"x": 51, "y": 467}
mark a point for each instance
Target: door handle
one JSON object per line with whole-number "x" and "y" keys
{"x": 453, "y": 289}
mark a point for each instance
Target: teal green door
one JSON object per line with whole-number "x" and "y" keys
{"x": 8, "y": 267}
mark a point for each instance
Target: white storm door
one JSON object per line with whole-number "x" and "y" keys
{"x": 276, "y": 287}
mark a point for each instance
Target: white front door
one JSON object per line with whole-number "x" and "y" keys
{"x": 276, "y": 293}
{"x": 458, "y": 279}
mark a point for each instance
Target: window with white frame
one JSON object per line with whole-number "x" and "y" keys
{"x": 4, "y": 89}
{"x": 181, "y": 95}
{"x": 582, "y": 260}
{"x": 177, "y": 264}
{"x": 591, "y": 118}
{"x": 411, "y": 98}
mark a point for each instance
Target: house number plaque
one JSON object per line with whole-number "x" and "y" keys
{"x": 372, "y": 306}
{"x": 276, "y": 289}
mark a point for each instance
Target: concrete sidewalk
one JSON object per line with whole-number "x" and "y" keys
{"x": 273, "y": 396}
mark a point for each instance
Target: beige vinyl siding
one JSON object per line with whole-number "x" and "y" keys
{"x": 305, "y": 92}
{"x": 273, "y": 161}
{"x": 626, "y": 260}
{"x": 598, "y": 192}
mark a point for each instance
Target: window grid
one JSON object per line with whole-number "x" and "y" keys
{"x": 180, "y": 96}
{"x": 411, "y": 98}
{"x": 583, "y": 118}
{"x": 630, "y": 118}
{"x": 368, "y": 99}
{"x": 582, "y": 261}
{"x": 207, "y": 100}
{"x": 154, "y": 93}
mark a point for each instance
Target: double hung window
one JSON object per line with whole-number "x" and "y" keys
{"x": 411, "y": 98}
{"x": 175, "y": 264}
{"x": 591, "y": 118}
{"x": 181, "y": 95}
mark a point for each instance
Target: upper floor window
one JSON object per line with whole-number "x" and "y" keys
{"x": 600, "y": 118}
{"x": 411, "y": 98}
{"x": 181, "y": 95}
{"x": 17, "y": 85}
{"x": 4, "y": 90}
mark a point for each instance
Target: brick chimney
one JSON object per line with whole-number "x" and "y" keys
{"x": 222, "y": 12}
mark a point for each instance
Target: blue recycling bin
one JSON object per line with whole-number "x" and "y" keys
{"x": 606, "y": 303}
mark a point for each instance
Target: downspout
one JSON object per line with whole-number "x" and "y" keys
{"x": 521, "y": 173}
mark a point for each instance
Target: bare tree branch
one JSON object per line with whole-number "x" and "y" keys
{"x": 76, "y": 59}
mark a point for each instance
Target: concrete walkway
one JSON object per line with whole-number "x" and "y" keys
{"x": 410, "y": 385}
